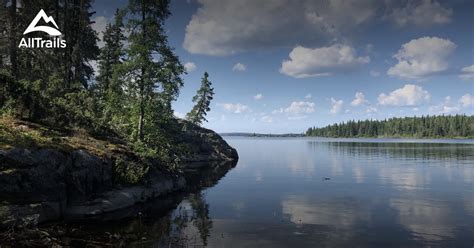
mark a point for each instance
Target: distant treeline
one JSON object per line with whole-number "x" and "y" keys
{"x": 263, "y": 134}
{"x": 418, "y": 127}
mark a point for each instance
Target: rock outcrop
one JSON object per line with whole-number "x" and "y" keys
{"x": 44, "y": 184}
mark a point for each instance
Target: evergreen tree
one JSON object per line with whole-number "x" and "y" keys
{"x": 202, "y": 100}
{"x": 109, "y": 87}
{"x": 152, "y": 71}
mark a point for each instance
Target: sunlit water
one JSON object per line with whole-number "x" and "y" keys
{"x": 309, "y": 192}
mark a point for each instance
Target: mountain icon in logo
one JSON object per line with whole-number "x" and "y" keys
{"x": 49, "y": 30}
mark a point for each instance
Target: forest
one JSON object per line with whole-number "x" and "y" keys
{"x": 450, "y": 126}
{"x": 128, "y": 95}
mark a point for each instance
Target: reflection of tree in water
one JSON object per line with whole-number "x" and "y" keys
{"x": 423, "y": 151}
{"x": 201, "y": 218}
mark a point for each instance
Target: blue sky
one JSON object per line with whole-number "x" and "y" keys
{"x": 282, "y": 66}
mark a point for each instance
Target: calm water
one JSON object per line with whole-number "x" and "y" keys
{"x": 379, "y": 194}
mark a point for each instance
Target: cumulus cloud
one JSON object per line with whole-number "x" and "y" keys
{"x": 225, "y": 27}
{"x": 239, "y": 67}
{"x": 308, "y": 96}
{"x": 258, "y": 97}
{"x": 447, "y": 107}
{"x": 371, "y": 109}
{"x": 266, "y": 118}
{"x": 421, "y": 13}
{"x": 221, "y": 27}
{"x": 190, "y": 66}
{"x": 307, "y": 62}
{"x": 467, "y": 72}
{"x": 408, "y": 95}
{"x": 422, "y": 57}
{"x": 235, "y": 108}
{"x": 300, "y": 107}
{"x": 467, "y": 100}
{"x": 336, "y": 106}
{"x": 359, "y": 99}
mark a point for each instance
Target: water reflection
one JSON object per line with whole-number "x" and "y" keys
{"x": 313, "y": 193}
{"x": 420, "y": 151}
{"x": 163, "y": 222}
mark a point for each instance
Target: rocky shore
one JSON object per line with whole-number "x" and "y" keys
{"x": 44, "y": 184}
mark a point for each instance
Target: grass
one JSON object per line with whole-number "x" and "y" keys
{"x": 19, "y": 133}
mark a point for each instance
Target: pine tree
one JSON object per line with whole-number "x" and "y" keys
{"x": 202, "y": 99}
{"x": 109, "y": 87}
{"x": 152, "y": 70}
{"x": 111, "y": 54}
{"x": 81, "y": 43}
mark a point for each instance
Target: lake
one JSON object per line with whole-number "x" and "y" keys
{"x": 311, "y": 192}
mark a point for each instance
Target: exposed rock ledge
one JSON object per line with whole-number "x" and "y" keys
{"x": 44, "y": 184}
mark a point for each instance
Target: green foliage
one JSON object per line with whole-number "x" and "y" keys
{"x": 132, "y": 94}
{"x": 151, "y": 71}
{"x": 202, "y": 101}
{"x": 419, "y": 127}
{"x": 129, "y": 172}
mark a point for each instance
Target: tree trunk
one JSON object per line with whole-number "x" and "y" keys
{"x": 142, "y": 86}
{"x": 13, "y": 41}
{"x": 142, "y": 110}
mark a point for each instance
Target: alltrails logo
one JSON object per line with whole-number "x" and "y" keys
{"x": 54, "y": 42}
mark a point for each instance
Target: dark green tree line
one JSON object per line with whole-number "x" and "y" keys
{"x": 424, "y": 126}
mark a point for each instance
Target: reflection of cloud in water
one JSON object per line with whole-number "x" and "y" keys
{"x": 428, "y": 220}
{"x": 336, "y": 166}
{"x": 338, "y": 212}
{"x": 468, "y": 174}
{"x": 407, "y": 178}
{"x": 358, "y": 174}
{"x": 258, "y": 176}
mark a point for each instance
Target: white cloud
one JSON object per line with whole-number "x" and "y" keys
{"x": 190, "y": 66}
{"x": 336, "y": 106}
{"x": 374, "y": 73}
{"x": 408, "y": 95}
{"x": 468, "y": 69}
{"x": 297, "y": 117}
{"x": 467, "y": 72}
{"x": 224, "y": 27}
{"x": 445, "y": 108}
{"x": 179, "y": 114}
{"x": 258, "y": 97}
{"x": 307, "y": 62}
{"x": 371, "y": 109}
{"x": 99, "y": 25}
{"x": 308, "y": 96}
{"x": 359, "y": 99}
{"x": 467, "y": 100}
{"x": 300, "y": 107}
{"x": 422, "y": 57}
{"x": 239, "y": 67}
{"x": 421, "y": 13}
{"x": 267, "y": 119}
{"x": 235, "y": 108}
